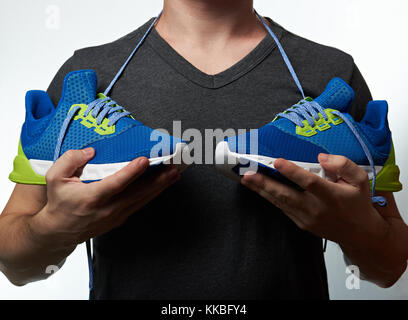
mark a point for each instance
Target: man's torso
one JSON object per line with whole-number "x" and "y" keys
{"x": 208, "y": 237}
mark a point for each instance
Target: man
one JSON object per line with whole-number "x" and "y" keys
{"x": 209, "y": 64}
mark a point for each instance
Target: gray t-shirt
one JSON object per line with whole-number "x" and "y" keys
{"x": 208, "y": 237}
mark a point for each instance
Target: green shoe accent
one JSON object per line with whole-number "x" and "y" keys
{"x": 22, "y": 172}
{"x": 90, "y": 122}
{"x": 321, "y": 124}
{"x": 388, "y": 178}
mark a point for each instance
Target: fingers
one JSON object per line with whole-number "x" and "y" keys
{"x": 117, "y": 182}
{"x": 133, "y": 206}
{"x": 282, "y": 196}
{"x": 289, "y": 200}
{"x": 151, "y": 185}
{"x": 69, "y": 163}
{"x": 345, "y": 169}
{"x": 304, "y": 179}
{"x": 137, "y": 195}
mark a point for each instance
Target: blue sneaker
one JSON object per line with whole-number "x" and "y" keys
{"x": 84, "y": 119}
{"x": 317, "y": 126}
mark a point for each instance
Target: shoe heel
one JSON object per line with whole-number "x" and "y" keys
{"x": 22, "y": 171}
{"x": 387, "y": 179}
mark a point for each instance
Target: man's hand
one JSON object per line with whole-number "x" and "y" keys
{"x": 340, "y": 210}
{"x": 77, "y": 211}
{"x": 41, "y": 226}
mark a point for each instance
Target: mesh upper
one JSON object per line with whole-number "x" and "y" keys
{"x": 339, "y": 140}
{"x": 80, "y": 88}
{"x": 133, "y": 143}
{"x": 279, "y": 138}
{"x": 275, "y": 143}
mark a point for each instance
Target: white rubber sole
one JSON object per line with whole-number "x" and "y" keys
{"x": 93, "y": 172}
{"x": 226, "y": 161}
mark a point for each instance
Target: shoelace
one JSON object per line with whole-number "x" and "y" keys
{"x": 100, "y": 109}
{"x": 309, "y": 110}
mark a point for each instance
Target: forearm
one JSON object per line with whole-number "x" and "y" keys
{"x": 381, "y": 258}
{"x": 25, "y": 254}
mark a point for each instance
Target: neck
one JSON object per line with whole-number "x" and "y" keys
{"x": 208, "y": 20}
{"x": 212, "y": 35}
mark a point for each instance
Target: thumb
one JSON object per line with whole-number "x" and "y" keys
{"x": 69, "y": 163}
{"x": 340, "y": 168}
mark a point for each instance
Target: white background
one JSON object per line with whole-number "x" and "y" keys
{"x": 34, "y": 45}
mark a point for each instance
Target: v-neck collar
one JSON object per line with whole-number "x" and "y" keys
{"x": 185, "y": 68}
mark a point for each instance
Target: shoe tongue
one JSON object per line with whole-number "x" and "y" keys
{"x": 337, "y": 95}
{"x": 80, "y": 87}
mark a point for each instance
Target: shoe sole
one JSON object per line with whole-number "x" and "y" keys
{"x": 94, "y": 172}
{"x": 234, "y": 165}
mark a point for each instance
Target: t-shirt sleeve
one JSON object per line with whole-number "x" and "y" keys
{"x": 362, "y": 94}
